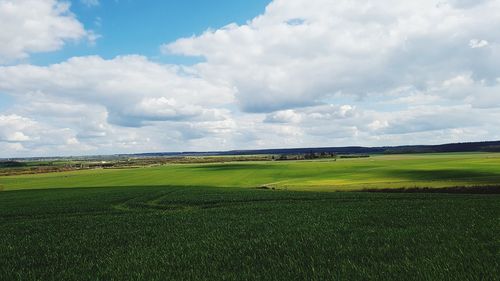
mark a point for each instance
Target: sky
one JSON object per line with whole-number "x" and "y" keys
{"x": 88, "y": 77}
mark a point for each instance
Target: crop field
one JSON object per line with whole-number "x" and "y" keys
{"x": 188, "y": 233}
{"x": 212, "y": 222}
{"x": 393, "y": 171}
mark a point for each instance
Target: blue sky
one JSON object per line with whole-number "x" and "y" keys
{"x": 125, "y": 76}
{"x": 5, "y": 101}
{"x": 140, "y": 27}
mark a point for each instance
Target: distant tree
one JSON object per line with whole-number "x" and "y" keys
{"x": 491, "y": 148}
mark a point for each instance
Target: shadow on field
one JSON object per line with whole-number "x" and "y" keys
{"x": 457, "y": 189}
{"x": 446, "y": 174}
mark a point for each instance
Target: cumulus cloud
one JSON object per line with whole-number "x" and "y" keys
{"x": 284, "y": 116}
{"x": 320, "y": 73}
{"x": 13, "y": 128}
{"x": 476, "y": 43}
{"x": 127, "y": 103}
{"x": 132, "y": 89}
{"x": 34, "y": 26}
{"x": 23, "y": 136}
{"x": 312, "y": 114}
{"x": 300, "y": 53}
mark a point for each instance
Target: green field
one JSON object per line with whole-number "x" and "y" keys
{"x": 183, "y": 233}
{"x": 419, "y": 170}
{"x": 209, "y": 222}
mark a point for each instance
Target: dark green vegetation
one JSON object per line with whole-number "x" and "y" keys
{"x": 442, "y": 148}
{"x": 11, "y": 164}
{"x": 190, "y": 233}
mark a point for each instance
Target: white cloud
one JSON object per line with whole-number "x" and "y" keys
{"x": 476, "y": 43}
{"x": 312, "y": 114}
{"x": 14, "y": 127}
{"x": 132, "y": 89}
{"x": 284, "y": 116}
{"x": 462, "y": 80}
{"x": 34, "y": 26}
{"x": 23, "y": 136}
{"x": 353, "y": 47}
{"x": 120, "y": 104}
{"x": 304, "y": 73}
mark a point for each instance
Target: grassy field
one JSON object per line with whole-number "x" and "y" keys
{"x": 418, "y": 170}
{"x": 188, "y": 233}
{"x": 209, "y": 222}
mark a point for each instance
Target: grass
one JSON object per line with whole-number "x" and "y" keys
{"x": 204, "y": 222}
{"x": 393, "y": 171}
{"x": 194, "y": 233}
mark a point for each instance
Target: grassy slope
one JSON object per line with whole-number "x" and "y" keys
{"x": 422, "y": 170}
{"x": 187, "y": 233}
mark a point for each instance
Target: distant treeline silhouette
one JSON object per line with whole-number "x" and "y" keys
{"x": 486, "y": 146}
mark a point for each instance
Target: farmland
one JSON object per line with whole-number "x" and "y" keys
{"x": 214, "y": 221}
{"x": 387, "y": 171}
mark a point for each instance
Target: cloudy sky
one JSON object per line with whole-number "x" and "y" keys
{"x": 123, "y": 76}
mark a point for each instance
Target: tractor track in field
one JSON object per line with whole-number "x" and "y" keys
{"x": 132, "y": 205}
{"x": 181, "y": 205}
{"x": 174, "y": 200}
{"x": 157, "y": 203}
